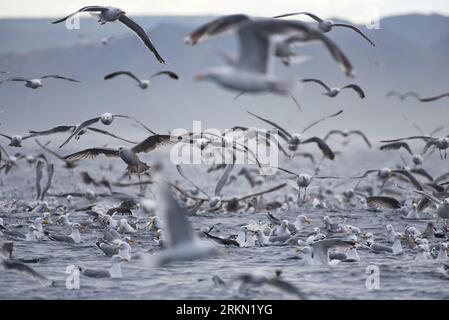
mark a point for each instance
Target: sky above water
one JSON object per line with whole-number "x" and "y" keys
{"x": 354, "y": 10}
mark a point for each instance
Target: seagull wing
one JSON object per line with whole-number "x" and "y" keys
{"x": 361, "y": 134}
{"x": 109, "y": 134}
{"x": 344, "y": 25}
{"x": 434, "y": 98}
{"x": 287, "y": 171}
{"x": 410, "y": 177}
{"x": 324, "y": 147}
{"x": 256, "y": 194}
{"x": 385, "y": 202}
{"x": 57, "y": 129}
{"x": 321, "y": 120}
{"x": 39, "y": 173}
{"x": 17, "y": 79}
{"x": 50, "y": 174}
{"x": 317, "y": 81}
{"x": 50, "y": 151}
{"x": 5, "y": 136}
{"x": 92, "y": 153}
{"x": 182, "y": 174}
{"x": 141, "y": 34}
{"x": 224, "y": 178}
{"x": 168, "y": 73}
{"x": 217, "y": 26}
{"x": 283, "y": 133}
{"x": 84, "y": 9}
{"x": 425, "y": 138}
{"x": 55, "y": 76}
{"x": 422, "y": 172}
{"x": 177, "y": 228}
{"x": 137, "y": 121}
{"x": 357, "y": 89}
{"x": 332, "y": 132}
{"x": 118, "y": 73}
{"x": 397, "y": 146}
{"x": 155, "y": 141}
{"x": 79, "y": 128}
{"x": 311, "y": 15}
{"x": 17, "y": 266}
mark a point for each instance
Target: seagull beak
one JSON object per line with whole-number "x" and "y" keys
{"x": 130, "y": 241}
{"x": 299, "y": 249}
{"x": 45, "y": 221}
{"x": 200, "y": 77}
{"x": 307, "y": 221}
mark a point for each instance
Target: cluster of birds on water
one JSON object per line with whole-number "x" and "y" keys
{"x": 408, "y": 190}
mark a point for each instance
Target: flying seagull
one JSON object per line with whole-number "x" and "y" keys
{"x": 347, "y": 133}
{"x": 110, "y": 14}
{"x": 333, "y": 92}
{"x": 402, "y": 96}
{"x": 37, "y": 82}
{"x": 129, "y": 156}
{"x": 106, "y": 119}
{"x": 294, "y": 140}
{"x": 327, "y": 25}
{"x": 143, "y": 84}
{"x": 16, "y": 140}
{"x": 252, "y": 71}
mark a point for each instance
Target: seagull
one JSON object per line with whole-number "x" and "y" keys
{"x": 439, "y": 143}
{"x": 327, "y": 25}
{"x": 37, "y": 82}
{"x": 442, "y": 205}
{"x": 16, "y": 140}
{"x": 74, "y": 237}
{"x": 252, "y": 72}
{"x": 129, "y": 156}
{"x": 115, "y": 271}
{"x": 60, "y": 129}
{"x": 347, "y": 133}
{"x": 333, "y": 92}
{"x": 386, "y": 173}
{"x": 9, "y": 264}
{"x": 106, "y": 119}
{"x": 402, "y": 96}
{"x": 294, "y": 140}
{"x": 143, "y": 84}
{"x": 416, "y": 158}
{"x": 183, "y": 242}
{"x": 320, "y": 249}
{"x": 110, "y": 14}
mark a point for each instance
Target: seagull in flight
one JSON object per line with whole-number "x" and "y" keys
{"x": 106, "y": 119}
{"x": 333, "y": 92}
{"x": 328, "y": 25}
{"x": 143, "y": 84}
{"x": 110, "y": 14}
{"x": 128, "y": 155}
{"x": 253, "y": 70}
{"x": 37, "y": 82}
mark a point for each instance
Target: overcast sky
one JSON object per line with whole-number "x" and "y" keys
{"x": 355, "y": 10}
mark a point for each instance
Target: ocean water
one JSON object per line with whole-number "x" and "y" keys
{"x": 400, "y": 276}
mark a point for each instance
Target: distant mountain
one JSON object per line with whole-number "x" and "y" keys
{"x": 398, "y": 62}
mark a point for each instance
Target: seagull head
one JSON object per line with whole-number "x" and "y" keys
{"x": 326, "y": 25}
{"x": 106, "y": 118}
{"x": 417, "y": 159}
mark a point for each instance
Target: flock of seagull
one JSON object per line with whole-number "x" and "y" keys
{"x": 410, "y": 191}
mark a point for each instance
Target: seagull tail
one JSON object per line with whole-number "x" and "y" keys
{"x": 138, "y": 169}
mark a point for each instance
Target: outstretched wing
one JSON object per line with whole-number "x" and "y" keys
{"x": 314, "y": 123}
{"x": 57, "y": 129}
{"x": 356, "y": 30}
{"x": 217, "y": 26}
{"x": 317, "y": 81}
{"x": 361, "y": 134}
{"x": 155, "y": 141}
{"x": 118, "y": 73}
{"x": 311, "y": 15}
{"x": 283, "y": 133}
{"x": 170, "y": 74}
{"x": 434, "y": 98}
{"x": 56, "y": 76}
{"x": 79, "y": 128}
{"x": 324, "y": 147}
{"x": 357, "y": 89}
{"x": 109, "y": 134}
{"x": 142, "y": 35}
{"x": 84, "y": 9}
{"x": 397, "y": 146}
{"x": 385, "y": 202}
{"x": 92, "y": 153}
